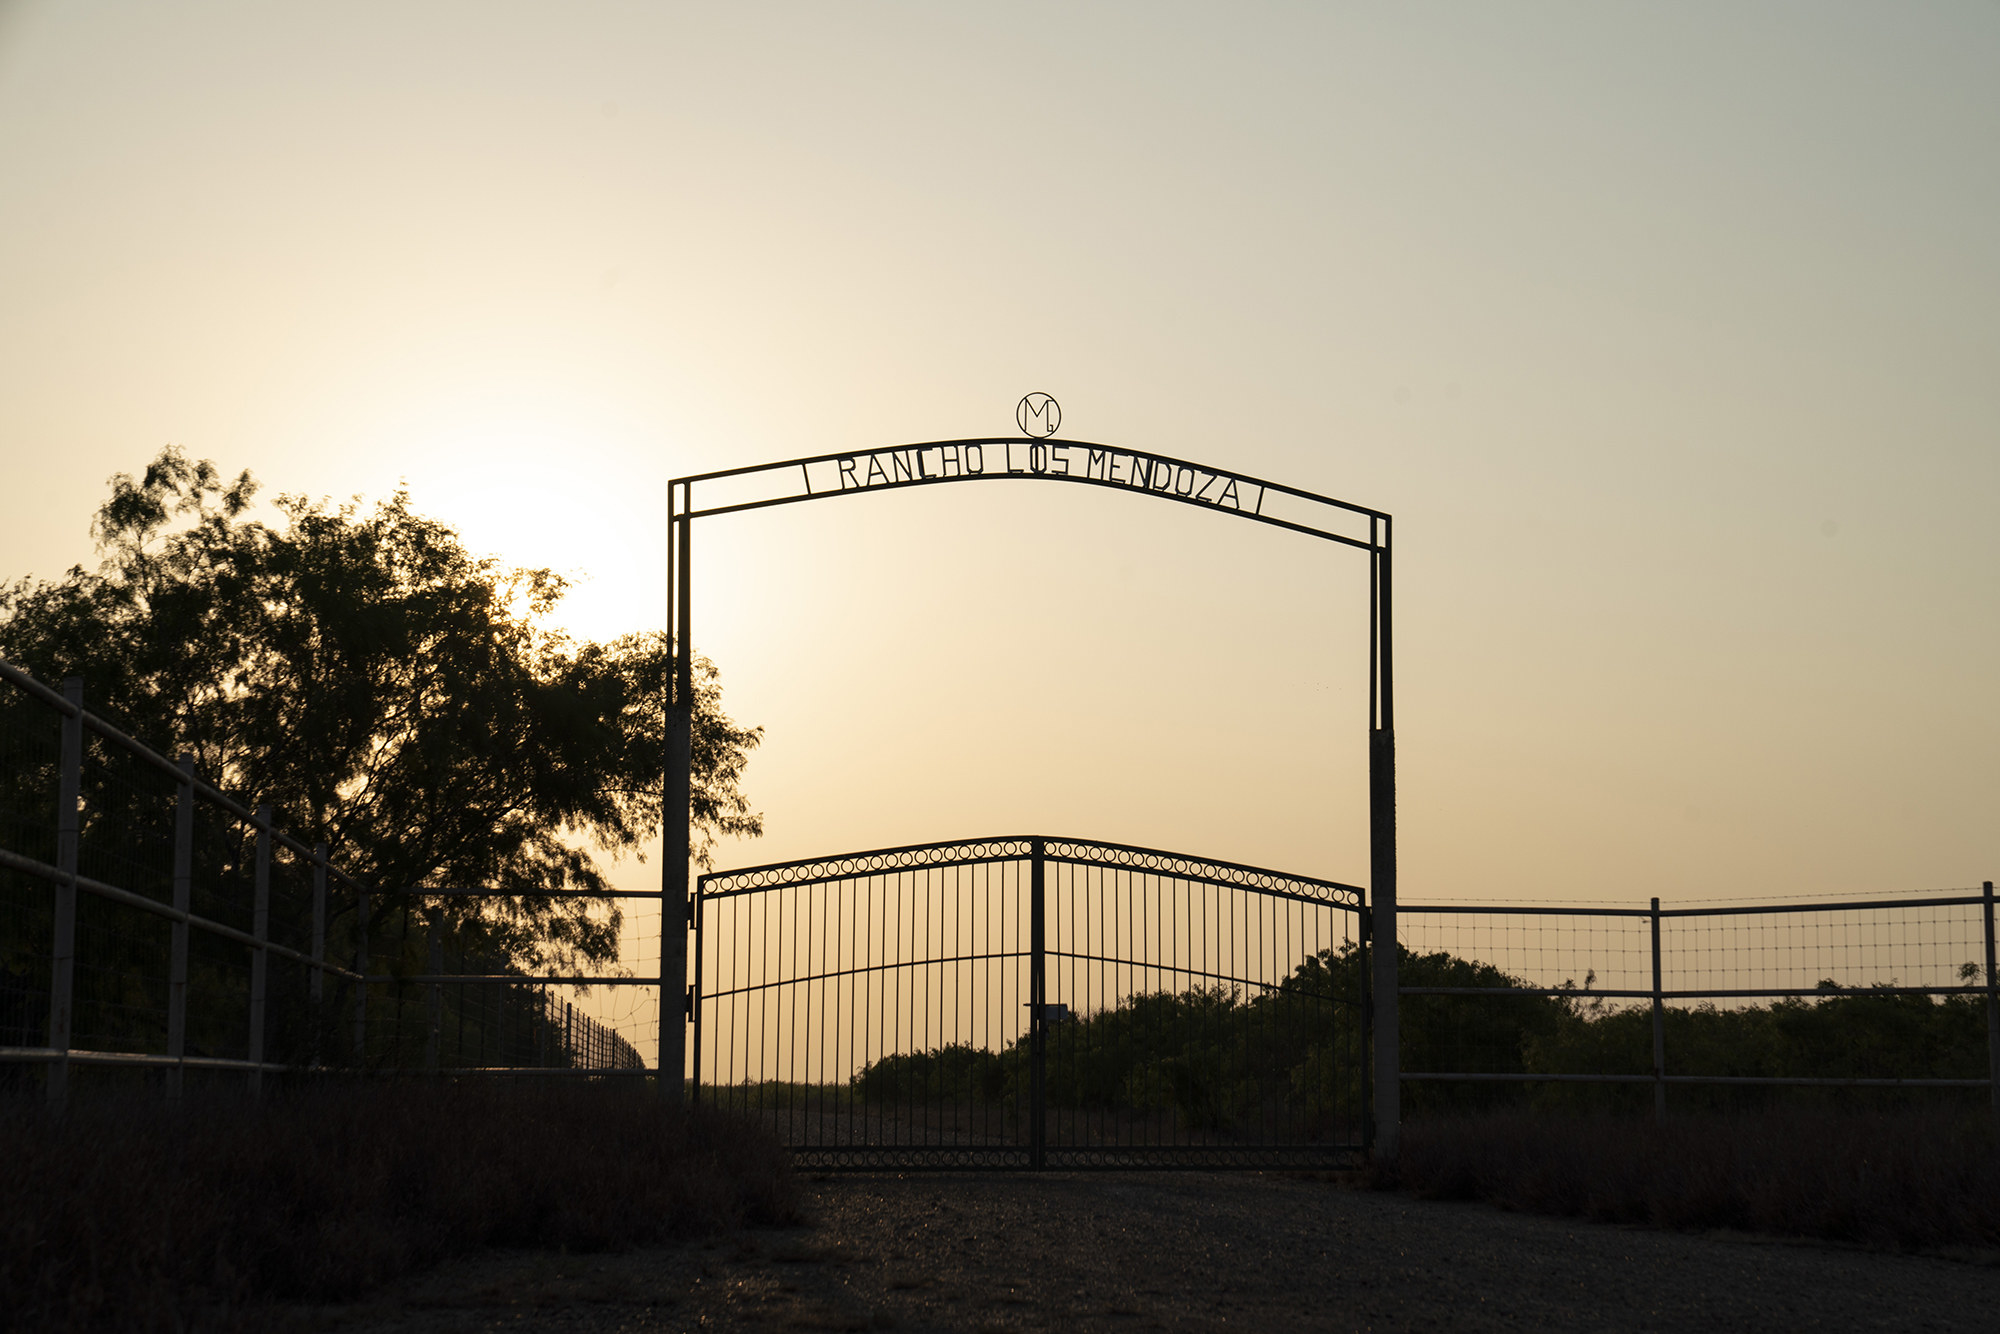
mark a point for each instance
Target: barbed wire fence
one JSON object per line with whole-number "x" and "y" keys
{"x": 155, "y": 927}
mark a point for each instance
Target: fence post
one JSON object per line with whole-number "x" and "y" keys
{"x": 361, "y": 979}
{"x": 260, "y": 958}
{"x": 177, "y": 967}
{"x": 1992, "y": 1008}
{"x": 62, "y": 970}
{"x": 1037, "y": 1019}
{"x": 434, "y": 1000}
{"x": 316, "y": 985}
{"x": 1659, "y": 1027}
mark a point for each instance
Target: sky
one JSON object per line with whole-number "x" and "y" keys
{"x": 1668, "y": 334}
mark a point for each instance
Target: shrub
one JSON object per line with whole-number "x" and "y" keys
{"x": 1912, "y": 1178}
{"x": 132, "y": 1215}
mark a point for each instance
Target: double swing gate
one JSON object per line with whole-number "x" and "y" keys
{"x": 1034, "y": 1002}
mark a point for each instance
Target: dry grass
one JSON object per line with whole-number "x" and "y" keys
{"x": 127, "y": 1215}
{"x": 1901, "y": 1180}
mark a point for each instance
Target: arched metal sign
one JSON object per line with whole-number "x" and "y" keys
{"x": 1077, "y": 463}
{"x": 996, "y": 459}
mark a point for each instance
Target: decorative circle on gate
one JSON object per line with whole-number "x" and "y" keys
{"x": 1038, "y": 415}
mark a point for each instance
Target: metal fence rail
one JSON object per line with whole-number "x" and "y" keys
{"x": 1029, "y": 1002}
{"x": 1892, "y": 993}
{"x": 150, "y": 921}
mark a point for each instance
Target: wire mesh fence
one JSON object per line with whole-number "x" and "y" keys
{"x": 1727, "y": 1006}
{"x": 154, "y": 928}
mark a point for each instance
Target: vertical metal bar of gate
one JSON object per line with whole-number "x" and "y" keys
{"x": 62, "y": 971}
{"x": 1038, "y": 1028}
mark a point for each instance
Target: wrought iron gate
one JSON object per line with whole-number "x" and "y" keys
{"x": 1035, "y": 1002}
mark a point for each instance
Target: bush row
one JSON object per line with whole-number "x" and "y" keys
{"x": 127, "y": 1214}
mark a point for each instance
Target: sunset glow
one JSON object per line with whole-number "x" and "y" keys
{"x": 1667, "y": 336}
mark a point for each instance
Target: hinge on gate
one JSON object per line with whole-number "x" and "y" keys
{"x": 688, "y": 1005}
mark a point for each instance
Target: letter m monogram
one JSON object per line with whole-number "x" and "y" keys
{"x": 1038, "y": 415}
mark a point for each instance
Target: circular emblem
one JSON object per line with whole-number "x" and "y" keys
{"x": 1038, "y": 416}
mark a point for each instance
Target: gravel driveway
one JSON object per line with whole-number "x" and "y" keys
{"x": 1187, "y": 1251}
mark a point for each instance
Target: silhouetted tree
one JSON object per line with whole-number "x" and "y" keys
{"x": 389, "y": 692}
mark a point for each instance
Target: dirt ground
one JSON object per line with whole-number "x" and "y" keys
{"x": 1185, "y": 1251}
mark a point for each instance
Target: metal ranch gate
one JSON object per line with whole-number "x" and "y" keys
{"x": 1031, "y": 1001}
{"x": 1034, "y": 1002}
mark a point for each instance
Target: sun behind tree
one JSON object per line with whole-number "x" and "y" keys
{"x": 387, "y": 692}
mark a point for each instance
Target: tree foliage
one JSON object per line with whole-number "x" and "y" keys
{"x": 1236, "y": 1061}
{"x": 389, "y": 692}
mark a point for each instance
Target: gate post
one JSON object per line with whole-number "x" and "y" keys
{"x": 1037, "y": 1022}
{"x": 675, "y": 808}
{"x": 62, "y": 971}
{"x": 1382, "y": 867}
{"x": 1388, "y": 1058}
